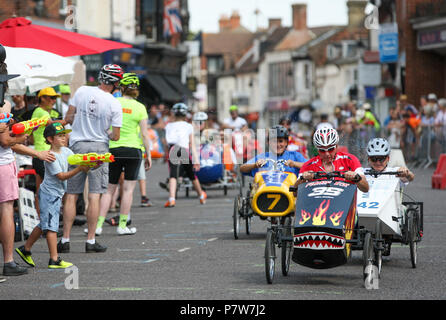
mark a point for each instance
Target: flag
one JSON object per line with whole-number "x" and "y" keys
{"x": 172, "y": 19}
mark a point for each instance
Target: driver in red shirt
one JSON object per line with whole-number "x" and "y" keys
{"x": 326, "y": 141}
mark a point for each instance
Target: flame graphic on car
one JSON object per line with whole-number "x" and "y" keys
{"x": 319, "y": 217}
{"x": 336, "y": 218}
{"x": 305, "y": 217}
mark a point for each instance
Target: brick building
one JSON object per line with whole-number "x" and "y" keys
{"x": 421, "y": 28}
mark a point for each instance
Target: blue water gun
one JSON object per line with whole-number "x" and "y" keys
{"x": 5, "y": 117}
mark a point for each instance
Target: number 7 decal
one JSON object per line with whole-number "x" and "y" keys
{"x": 276, "y": 198}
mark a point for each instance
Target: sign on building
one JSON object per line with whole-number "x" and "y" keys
{"x": 388, "y": 43}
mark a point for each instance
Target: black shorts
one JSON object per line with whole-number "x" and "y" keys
{"x": 127, "y": 160}
{"x": 180, "y": 163}
{"x": 39, "y": 167}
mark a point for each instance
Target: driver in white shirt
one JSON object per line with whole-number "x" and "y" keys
{"x": 235, "y": 122}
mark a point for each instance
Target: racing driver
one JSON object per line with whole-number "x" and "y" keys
{"x": 328, "y": 160}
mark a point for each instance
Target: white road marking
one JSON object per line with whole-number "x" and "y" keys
{"x": 184, "y": 249}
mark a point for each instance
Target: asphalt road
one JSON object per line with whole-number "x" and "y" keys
{"x": 189, "y": 252}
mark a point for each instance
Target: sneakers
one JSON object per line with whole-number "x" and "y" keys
{"x": 59, "y": 264}
{"x": 96, "y": 247}
{"x": 126, "y": 231}
{"x": 203, "y": 198}
{"x": 169, "y": 204}
{"x": 13, "y": 269}
{"x": 98, "y": 231}
{"x": 25, "y": 255}
{"x": 114, "y": 221}
{"x": 145, "y": 202}
{"x": 63, "y": 247}
{"x": 2, "y": 279}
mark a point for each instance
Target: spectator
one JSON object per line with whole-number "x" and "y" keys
{"x": 324, "y": 123}
{"x": 440, "y": 124}
{"x": 235, "y": 122}
{"x": 9, "y": 186}
{"x": 92, "y": 112}
{"x": 394, "y": 125}
{"x": 47, "y": 100}
{"x": 51, "y": 193}
{"x": 430, "y": 109}
{"x": 19, "y": 107}
{"x": 65, "y": 94}
{"x": 407, "y": 107}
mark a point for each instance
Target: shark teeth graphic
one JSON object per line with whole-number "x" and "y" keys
{"x": 318, "y": 241}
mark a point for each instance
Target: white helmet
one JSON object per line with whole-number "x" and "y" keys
{"x": 180, "y": 109}
{"x": 200, "y": 116}
{"x": 325, "y": 137}
{"x": 378, "y": 147}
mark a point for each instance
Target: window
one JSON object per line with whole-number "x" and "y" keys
{"x": 280, "y": 82}
{"x": 215, "y": 64}
{"x": 333, "y": 51}
{"x": 148, "y": 19}
{"x": 350, "y": 50}
{"x": 63, "y": 7}
{"x": 307, "y": 76}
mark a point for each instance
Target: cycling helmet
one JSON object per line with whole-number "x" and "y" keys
{"x": 200, "y": 116}
{"x": 378, "y": 147}
{"x": 180, "y": 109}
{"x": 129, "y": 80}
{"x": 325, "y": 137}
{"x": 279, "y": 131}
{"x": 110, "y": 74}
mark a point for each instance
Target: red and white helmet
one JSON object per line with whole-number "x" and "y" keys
{"x": 325, "y": 137}
{"x": 110, "y": 74}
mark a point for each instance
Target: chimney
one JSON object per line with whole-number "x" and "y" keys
{"x": 356, "y": 14}
{"x": 224, "y": 23}
{"x": 234, "y": 21}
{"x": 299, "y": 17}
{"x": 274, "y": 22}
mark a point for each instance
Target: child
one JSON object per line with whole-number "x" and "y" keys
{"x": 179, "y": 138}
{"x": 50, "y": 195}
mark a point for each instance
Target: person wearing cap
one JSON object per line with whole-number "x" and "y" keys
{"x": 65, "y": 94}
{"x": 407, "y": 107}
{"x": 50, "y": 193}
{"x": 47, "y": 99}
{"x": 235, "y": 122}
{"x": 95, "y": 117}
{"x": 278, "y": 143}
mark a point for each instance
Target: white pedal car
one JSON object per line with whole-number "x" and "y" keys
{"x": 383, "y": 218}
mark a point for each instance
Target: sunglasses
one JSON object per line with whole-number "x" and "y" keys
{"x": 327, "y": 150}
{"x": 377, "y": 159}
{"x": 52, "y": 97}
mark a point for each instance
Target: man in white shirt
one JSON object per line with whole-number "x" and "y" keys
{"x": 92, "y": 111}
{"x": 235, "y": 122}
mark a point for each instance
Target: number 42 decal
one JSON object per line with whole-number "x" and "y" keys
{"x": 369, "y": 205}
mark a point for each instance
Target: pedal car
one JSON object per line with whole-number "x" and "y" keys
{"x": 323, "y": 226}
{"x": 387, "y": 219}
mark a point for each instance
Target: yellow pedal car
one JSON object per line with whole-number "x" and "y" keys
{"x": 269, "y": 198}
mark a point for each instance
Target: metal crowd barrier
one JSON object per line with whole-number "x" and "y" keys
{"x": 431, "y": 142}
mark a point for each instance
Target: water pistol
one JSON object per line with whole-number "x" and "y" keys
{"x": 5, "y": 117}
{"x": 90, "y": 159}
{"x": 29, "y": 126}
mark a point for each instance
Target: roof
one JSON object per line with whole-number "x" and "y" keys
{"x": 266, "y": 45}
{"x": 226, "y": 42}
{"x": 294, "y": 39}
